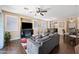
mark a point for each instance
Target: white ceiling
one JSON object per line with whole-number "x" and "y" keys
{"x": 54, "y": 11}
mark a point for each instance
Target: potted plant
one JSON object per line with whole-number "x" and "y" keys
{"x": 7, "y": 37}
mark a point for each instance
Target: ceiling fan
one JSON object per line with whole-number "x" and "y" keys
{"x": 41, "y": 11}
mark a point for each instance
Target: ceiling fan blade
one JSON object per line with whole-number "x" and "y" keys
{"x": 42, "y": 14}
{"x": 44, "y": 11}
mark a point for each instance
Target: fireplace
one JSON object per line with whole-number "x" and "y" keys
{"x": 26, "y": 30}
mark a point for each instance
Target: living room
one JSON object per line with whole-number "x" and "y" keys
{"x": 40, "y": 29}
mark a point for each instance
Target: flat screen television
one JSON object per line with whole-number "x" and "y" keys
{"x": 26, "y": 25}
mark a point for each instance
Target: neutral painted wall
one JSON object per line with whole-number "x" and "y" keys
{"x": 16, "y": 34}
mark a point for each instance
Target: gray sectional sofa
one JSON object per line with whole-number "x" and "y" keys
{"x": 50, "y": 44}
{"x": 43, "y": 44}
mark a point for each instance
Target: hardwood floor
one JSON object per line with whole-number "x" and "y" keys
{"x": 14, "y": 47}
{"x": 64, "y": 47}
